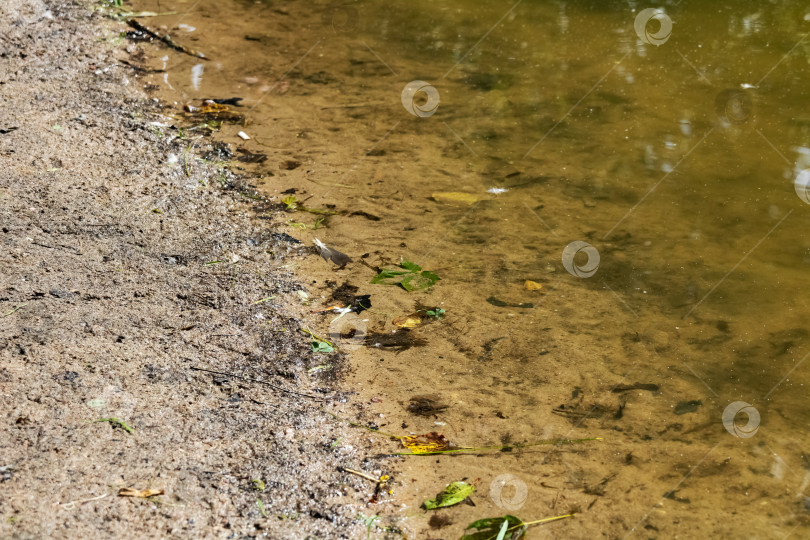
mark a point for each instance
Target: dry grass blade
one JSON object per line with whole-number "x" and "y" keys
{"x": 140, "y": 493}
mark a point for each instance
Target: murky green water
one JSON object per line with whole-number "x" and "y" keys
{"x": 675, "y": 159}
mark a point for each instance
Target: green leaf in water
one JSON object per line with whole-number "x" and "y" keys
{"x": 389, "y": 274}
{"x": 416, "y": 282}
{"x": 409, "y": 276}
{"x": 499, "y": 528}
{"x": 454, "y": 493}
{"x": 290, "y": 202}
{"x": 298, "y": 225}
{"x": 321, "y": 347}
{"x": 293, "y": 205}
{"x": 412, "y": 267}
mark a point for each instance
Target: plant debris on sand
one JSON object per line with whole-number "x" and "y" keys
{"x": 108, "y": 300}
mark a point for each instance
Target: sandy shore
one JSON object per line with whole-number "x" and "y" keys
{"x": 128, "y": 264}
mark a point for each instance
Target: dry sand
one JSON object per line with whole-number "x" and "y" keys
{"x": 108, "y": 301}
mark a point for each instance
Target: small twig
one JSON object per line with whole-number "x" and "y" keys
{"x": 18, "y": 308}
{"x": 257, "y": 381}
{"x": 74, "y": 250}
{"x": 165, "y": 39}
{"x": 315, "y": 336}
{"x": 185, "y": 161}
{"x": 124, "y": 14}
{"x": 360, "y": 474}
{"x": 357, "y": 106}
{"x": 142, "y": 69}
{"x": 264, "y": 300}
{"x": 65, "y": 505}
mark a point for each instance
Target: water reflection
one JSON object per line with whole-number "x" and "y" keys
{"x": 649, "y": 150}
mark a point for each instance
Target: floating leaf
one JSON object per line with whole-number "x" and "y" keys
{"x": 427, "y": 443}
{"x": 416, "y": 282}
{"x": 290, "y": 202}
{"x": 493, "y": 528}
{"x": 437, "y": 312}
{"x": 209, "y": 110}
{"x": 317, "y": 225}
{"x": 454, "y": 493}
{"x": 322, "y": 347}
{"x": 294, "y": 205}
{"x": 411, "y": 267}
{"x": 209, "y": 106}
{"x": 408, "y": 321}
{"x": 454, "y": 197}
{"x": 389, "y": 274}
{"x": 505, "y": 528}
{"x": 409, "y": 276}
{"x": 502, "y": 532}
{"x": 532, "y": 285}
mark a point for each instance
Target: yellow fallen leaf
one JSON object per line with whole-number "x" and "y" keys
{"x": 455, "y": 197}
{"x": 532, "y": 285}
{"x": 142, "y": 493}
{"x": 427, "y": 443}
{"x": 410, "y": 321}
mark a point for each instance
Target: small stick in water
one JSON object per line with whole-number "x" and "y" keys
{"x": 165, "y": 39}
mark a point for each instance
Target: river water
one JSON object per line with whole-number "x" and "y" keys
{"x": 645, "y": 171}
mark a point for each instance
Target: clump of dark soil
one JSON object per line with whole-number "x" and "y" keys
{"x": 125, "y": 262}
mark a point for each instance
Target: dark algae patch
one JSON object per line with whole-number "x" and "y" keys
{"x": 684, "y": 407}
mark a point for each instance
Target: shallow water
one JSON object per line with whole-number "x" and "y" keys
{"x": 676, "y": 165}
